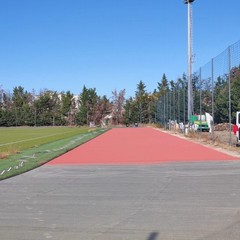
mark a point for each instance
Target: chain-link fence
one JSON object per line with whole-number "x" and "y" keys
{"x": 216, "y": 96}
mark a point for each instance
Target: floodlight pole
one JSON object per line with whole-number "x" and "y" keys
{"x": 190, "y": 59}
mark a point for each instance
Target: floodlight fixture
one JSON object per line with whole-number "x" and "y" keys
{"x": 188, "y": 1}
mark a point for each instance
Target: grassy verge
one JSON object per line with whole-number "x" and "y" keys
{"x": 38, "y": 154}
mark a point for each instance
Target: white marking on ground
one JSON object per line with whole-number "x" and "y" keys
{"x": 47, "y": 235}
{"x": 30, "y": 139}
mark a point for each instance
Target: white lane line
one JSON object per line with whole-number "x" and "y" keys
{"x": 27, "y": 140}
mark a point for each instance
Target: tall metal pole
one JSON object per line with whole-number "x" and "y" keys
{"x": 213, "y": 90}
{"x": 212, "y": 70}
{"x": 190, "y": 91}
{"x": 200, "y": 97}
{"x": 229, "y": 96}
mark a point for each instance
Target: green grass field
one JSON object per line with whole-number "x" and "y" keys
{"x": 14, "y": 140}
{"x": 25, "y": 148}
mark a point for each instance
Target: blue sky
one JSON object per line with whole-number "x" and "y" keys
{"x": 109, "y": 44}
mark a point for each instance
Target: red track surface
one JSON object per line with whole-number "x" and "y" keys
{"x": 138, "y": 146}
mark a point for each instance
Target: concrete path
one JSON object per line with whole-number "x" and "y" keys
{"x": 164, "y": 201}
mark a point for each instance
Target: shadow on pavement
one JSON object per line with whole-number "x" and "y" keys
{"x": 153, "y": 236}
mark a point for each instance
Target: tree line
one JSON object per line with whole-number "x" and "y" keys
{"x": 220, "y": 98}
{"x": 51, "y": 108}
{"x": 167, "y": 101}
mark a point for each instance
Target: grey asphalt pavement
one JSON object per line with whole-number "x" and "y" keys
{"x": 173, "y": 201}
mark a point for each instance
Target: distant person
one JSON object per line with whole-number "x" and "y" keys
{"x": 235, "y": 129}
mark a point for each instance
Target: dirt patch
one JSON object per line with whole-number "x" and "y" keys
{"x": 8, "y": 152}
{"x": 221, "y": 140}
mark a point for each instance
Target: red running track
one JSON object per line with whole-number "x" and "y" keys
{"x": 139, "y": 146}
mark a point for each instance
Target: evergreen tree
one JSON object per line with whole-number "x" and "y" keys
{"x": 221, "y": 101}
{"x": 142, "y": 102}
{"x": 131, "y": 114}
{"x": 21, "y": 101}
{"x": 48, "y": 109}
{"x": 88, "y": 100}
{"x": 235, "y": 92}
{"x": 163, "y": 86}
{"x": 82, "y": 116}
{"x": 68, "y": 108}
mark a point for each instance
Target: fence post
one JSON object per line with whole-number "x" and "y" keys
{"x": 212, "y": 133}
{"x": 174, "y": 105}
{"x": 178, "y": 104}
{"x": 200, "y": 96}
{"x": 165, "y": 106}
{"x": 170, "y": 108}
{"x": 229, "y": 95}
{"x": 184, "y": 105}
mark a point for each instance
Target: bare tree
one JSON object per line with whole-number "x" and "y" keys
{"x": 118, "y": 105}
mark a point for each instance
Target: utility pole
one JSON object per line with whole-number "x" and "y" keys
{"x": 190, "y": 59}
